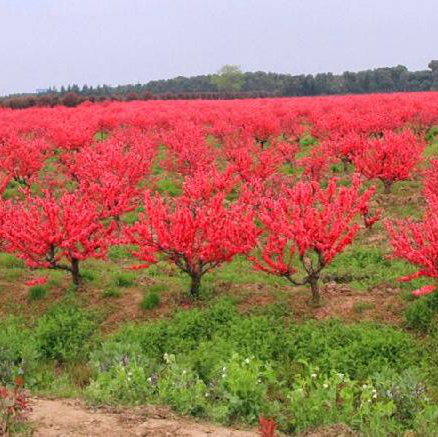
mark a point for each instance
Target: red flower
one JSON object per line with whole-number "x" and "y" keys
{"x": 427, "y": 289}
{"x": 37, "y": 281}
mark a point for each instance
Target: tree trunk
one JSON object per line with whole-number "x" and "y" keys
{"x": 313, "y": 281}
{"x": 387, "y": 187}
{"x": 75, "y": 272}
{"x": 345, "y": 162}
{"x": 195, "y": 286}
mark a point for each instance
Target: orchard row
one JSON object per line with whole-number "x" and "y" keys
{"x": 288, "y": 183}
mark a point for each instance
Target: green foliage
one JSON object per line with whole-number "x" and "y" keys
{"x": 123, "y": 279}
{"x": 18, "y": 350}
{"x": 117, "y": 253}
{"x": 37, "y": 292}
{"x": 358, "y": 350}
{"x": 10, "y": 261}
{"x": 365, "y": 267}
{"x": 228, "y": 78}
{"x": 88, "y": 275}
{"x": 384, "y": 404}
{"x": 62, "y": 333}
{"x": 150, "y": 300}
{"x": 421, "y": 313}
{"x": 216, "y": 363}
{"x": 242, "y": 386}
{"x": 181, "y": 388}
{"x": 431, "y": 134}
{"x": 168, "y": 186}
{"x": 124, "y": 383}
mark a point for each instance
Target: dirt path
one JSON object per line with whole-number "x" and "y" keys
{"x": 70, "y": 418}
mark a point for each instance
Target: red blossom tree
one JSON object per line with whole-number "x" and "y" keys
{"x": 54, "y": 233}
{"x": 345, "y": 147}
{"x": 431, "y": 183}
{"x": 251, "y": 162}
{"x": 391, "y": 158}
{"x": 187, "y": 151}
{"x": 316, "y": 164}
{"x": 111, "y": 171}
{"x": 308, "y": 225}
{"x": 21, "y": 158}
{"x": 417, "y": 243}
{"x": 198, "y": 231}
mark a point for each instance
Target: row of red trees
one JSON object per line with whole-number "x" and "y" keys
{"x": 244, "y": 183}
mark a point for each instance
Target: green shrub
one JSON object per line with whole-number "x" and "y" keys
{"x": 216, "y": 363}
{"x": 126, "y": 384}
{"x": 181, "y": 389}
{"x": 62, "y": 333}
{"x": 18, "y": 351}
{"x": 37, "y": 292}
{"x": 421, "y": 313}
{"x": 317, "y": 399}
{"x": 150, "y": 300}
{"x": 242, "y": 385}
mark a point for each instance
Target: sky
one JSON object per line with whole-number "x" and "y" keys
{"x": 47, "y": 43}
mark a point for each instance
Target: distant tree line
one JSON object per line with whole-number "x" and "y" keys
{"x": 231, "y": 83}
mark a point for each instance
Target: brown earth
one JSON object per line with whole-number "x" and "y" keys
{"x": 70, "y": 418}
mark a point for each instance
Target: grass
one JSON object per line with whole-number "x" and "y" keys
{"x": 360, "y": 307}
{"x": 111, "y": 292}
{"x": 123, "y": 279}
{"x": 37, "y": 292}
{"x": 150, "y": 301}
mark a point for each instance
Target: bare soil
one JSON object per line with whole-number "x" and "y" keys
{"x": 71, "y": 418}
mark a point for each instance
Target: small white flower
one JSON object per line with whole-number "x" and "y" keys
{"x": 364, "y": 387}
{"x": 224, "y": 369}
{"x": 224, "y": 375}
{"x": 325, "y": 385}
{"x": 314, "y": 375}
{"x": 247, "y": 361}
{"x": 341, "y": 375}
{"x": 259, "y": 381}
{"x": 149, "y": 379}
{"x": 374, "y": 396}
{"x": 374, "y": 391}
{"x": 184, "y": 372}
{"x": 369, "y": 400}
{"x": 207, "y": 395}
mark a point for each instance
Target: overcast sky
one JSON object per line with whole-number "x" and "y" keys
{"x": 54, "y": 42}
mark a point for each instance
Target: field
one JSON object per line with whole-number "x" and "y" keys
{"x": 231, "y": 260}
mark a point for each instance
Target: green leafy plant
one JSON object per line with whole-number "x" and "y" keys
{"x": 181, "y": 388}
{"x": 62, "y": 333}
{"x": 421, "y": 313}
